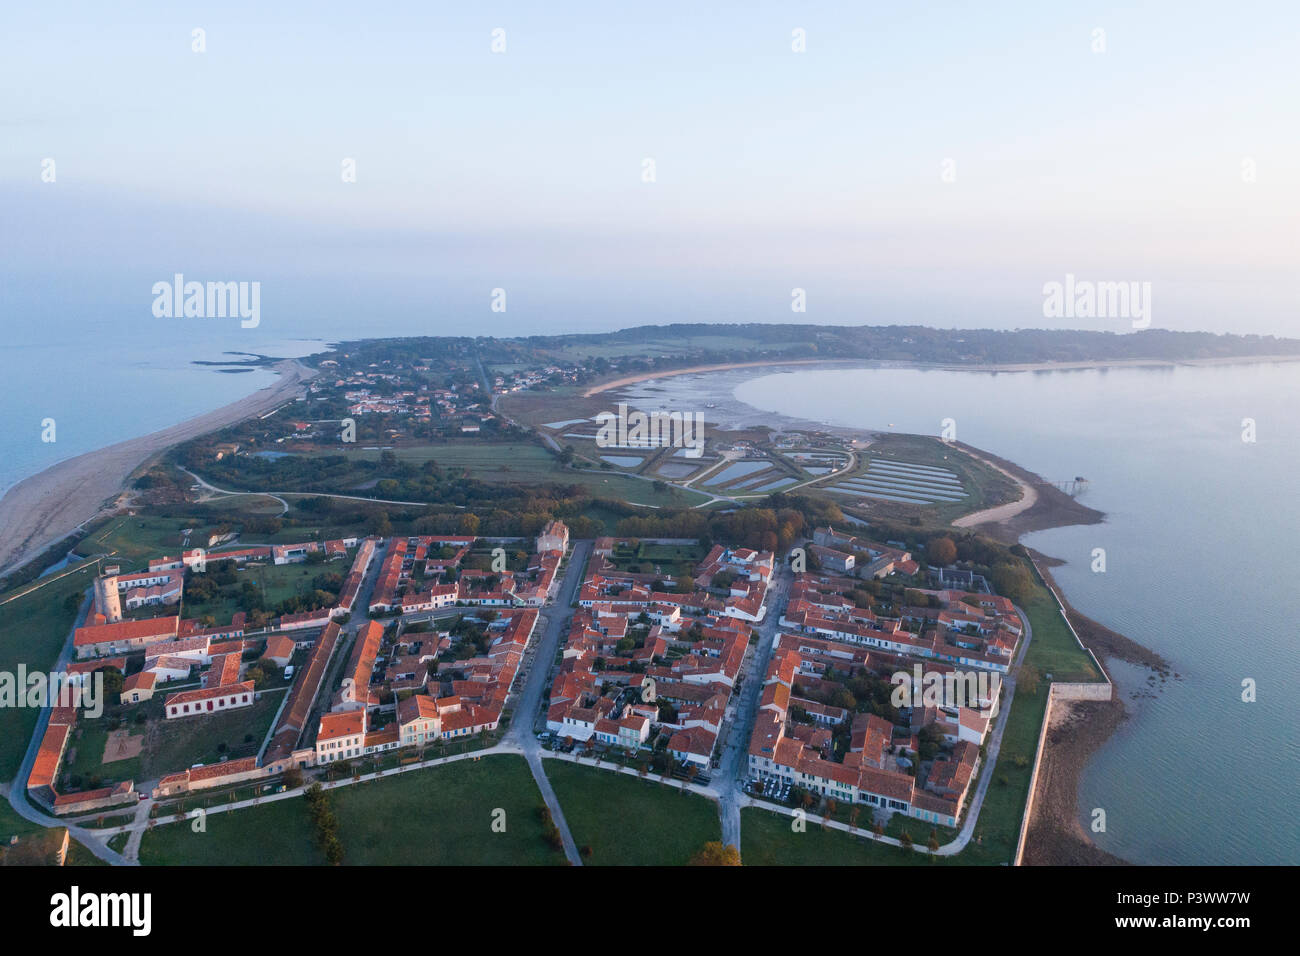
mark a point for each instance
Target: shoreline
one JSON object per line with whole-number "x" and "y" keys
{"x": 45, "y": 508}
{"x": 1079, "y": 729}
{"x": 944, "y": 367}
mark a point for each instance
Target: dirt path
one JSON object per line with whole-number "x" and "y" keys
{"x": 1028, "y": 498}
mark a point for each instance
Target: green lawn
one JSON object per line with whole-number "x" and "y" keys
{"x": 1054, "y": 650}
{"x": 767, "y": 839}
{"x": 440, "y": 816}
{"x": 118, "y": 841}
{"x": 134, "y": 539}
{"x": 11, "y": 824}
{"x": 276, "y": 582}
{"x": 631, "y": 822}
{"x": 33, "y": 628}
{"x": 530, "y": 464}
{"x": 83, "y": 763}
{"x": 672, "y": 560}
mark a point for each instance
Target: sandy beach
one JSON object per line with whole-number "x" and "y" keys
{"x": 669, "y": 373}
{"x": 867, "y": 363}
{"x": 45, "y": 508}
{"x": 1028, "y": 498}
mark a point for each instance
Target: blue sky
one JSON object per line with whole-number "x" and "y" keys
{"x": 820, "y": 170}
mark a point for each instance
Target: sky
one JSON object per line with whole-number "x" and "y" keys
{"x": 917, "y": 163}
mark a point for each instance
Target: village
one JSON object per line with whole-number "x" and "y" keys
{"x": 794, "y": 680}
{"x": 362, "y": 678}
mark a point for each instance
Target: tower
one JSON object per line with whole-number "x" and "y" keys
{"x": 107, "y": 601}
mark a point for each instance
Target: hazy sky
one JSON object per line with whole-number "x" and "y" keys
{"x": 774, "y": 169}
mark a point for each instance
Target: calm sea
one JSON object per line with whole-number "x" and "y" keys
{"x": 102, "y": 386}
{"x": 1202, "y": 543}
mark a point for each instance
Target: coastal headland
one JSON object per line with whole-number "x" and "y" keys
{"x": 46, "y": 508}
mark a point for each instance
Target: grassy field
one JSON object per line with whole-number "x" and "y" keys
{"x": 11, "y": 824}
{"x": 133, "y": 539}
{"x": 435, "y": 817}
{"x": 631, "y": 822}
{"x": 527, "y": 463}
{"x": 767, "y": 839}
{"x": 170, "y": 745}
{"x": 483, "y": 459}
{"x": 1054, "y": 650}
{"x": 669, "y": 559}
{"x": 33, "y": 628}
{"x": 247, "y": 504}
{"x": 276, "y": 582}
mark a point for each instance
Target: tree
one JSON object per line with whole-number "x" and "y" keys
{"x": 715, "y": 854}
{"x": 941, "y": 551}
{"x": 113, "y": 681}
{"x": 1012, "y": 580}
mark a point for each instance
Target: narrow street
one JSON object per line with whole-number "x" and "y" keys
{"x": 731, "y": 770}
{"x": 521, "y": 732}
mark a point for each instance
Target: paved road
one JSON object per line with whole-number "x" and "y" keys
{"x": 213, "y": 489}
{"x": 94, "y": 840}
{"x": 557, "y": 625}
{"x": 521, "y": 733}
{"x": 731, "y": 770}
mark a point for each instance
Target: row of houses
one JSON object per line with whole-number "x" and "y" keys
{"x": 399, "y": 590}
{"x": 408, "y": 698}
{"x": 881, "y": 767}
{"x": 965, "y": 640}
{"x": 637, "y": 660}
{"x": 966, "y": 634}
{"x": 843, "y": 553}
